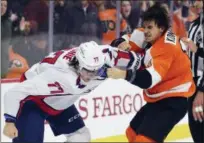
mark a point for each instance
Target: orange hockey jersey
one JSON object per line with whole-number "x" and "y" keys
{"x": 168, "y": 65}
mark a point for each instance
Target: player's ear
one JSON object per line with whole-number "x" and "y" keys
{"x": 161, "y": 29}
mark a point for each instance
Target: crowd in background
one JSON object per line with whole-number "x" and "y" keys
{"x": 25, "y": 26}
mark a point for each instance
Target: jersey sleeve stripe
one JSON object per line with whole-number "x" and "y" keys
{"x": 156, "y": 78}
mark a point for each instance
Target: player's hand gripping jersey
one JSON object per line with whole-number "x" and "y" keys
{"x": 54, "y": 83}
{"x": 167, "y": 62}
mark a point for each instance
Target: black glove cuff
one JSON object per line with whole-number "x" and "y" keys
{"x": 9, "y": 118}
{"x": 130, "y": 75}
{"x": 117, "y": 42}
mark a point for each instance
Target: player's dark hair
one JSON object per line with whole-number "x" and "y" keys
{"x": 74, "y": 63}
{"x": 159, "y": 15}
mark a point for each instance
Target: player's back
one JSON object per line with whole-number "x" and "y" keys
{"x": 59, "y": 60}
{"x": 56, "y": 61}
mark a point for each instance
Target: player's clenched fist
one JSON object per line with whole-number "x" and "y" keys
{"x": 116, "y": 73}
{"x": 10, "y": 130}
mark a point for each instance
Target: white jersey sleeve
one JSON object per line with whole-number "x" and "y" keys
{"x": 121, "y": 59}
{"x": 32, "y": 72}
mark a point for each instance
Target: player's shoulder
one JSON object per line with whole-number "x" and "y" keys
{"x": 166, "y": 45}
{"x": 168, "y": 42}
{"x": 67, "y": 55}
{"x": 170, "y": 39}
{"x": 69, "y": 50}
{"x": 58, "y": 59}
{"x": 70, "y": 80}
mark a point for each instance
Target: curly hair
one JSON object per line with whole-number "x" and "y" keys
{"x": 159, "y": 15}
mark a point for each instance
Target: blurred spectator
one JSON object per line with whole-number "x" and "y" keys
{"x": 108, "y": 19}
{"x": 16, "y": 14}
{"x": 144, "y": 5}
{"x": 126, "y": 8}
{"x": 5, "y": 37}
{"x": 178, "y": 25}
{"x": 193, "y": 13}
{"x": 59, "y": 22}
{"x": 82, "y": 23}
{"x": 38, "y": 45}
{"x": 26, "y": 51}
{"x": 36, "y": 15}
{"x": 59, "y": 26}
{"x": 130, "y": 14}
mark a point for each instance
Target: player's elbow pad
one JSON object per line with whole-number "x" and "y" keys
{"x": 142, "y": 79}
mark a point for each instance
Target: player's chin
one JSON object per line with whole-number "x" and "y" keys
{"x": 86, "y": 79}
{"x": 148, "y": 39}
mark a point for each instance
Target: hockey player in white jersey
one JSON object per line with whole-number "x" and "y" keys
{"x": 52, "y": 86}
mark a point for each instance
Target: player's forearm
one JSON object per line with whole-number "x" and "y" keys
{"x": 140, "y": 78}
{"x": 12, "y": 100}
{"x": 201, "y": 85}
{"x": 128, "y": 60}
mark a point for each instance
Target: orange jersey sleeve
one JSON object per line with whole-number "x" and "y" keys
{"x": 178, "y": 27}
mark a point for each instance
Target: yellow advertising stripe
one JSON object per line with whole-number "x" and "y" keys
{"x": 179, "y": 132}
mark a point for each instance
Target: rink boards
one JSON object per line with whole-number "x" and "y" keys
{"x": 106, "y": 111}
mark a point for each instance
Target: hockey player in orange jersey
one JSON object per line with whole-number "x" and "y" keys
{"x": 166, "y": 79}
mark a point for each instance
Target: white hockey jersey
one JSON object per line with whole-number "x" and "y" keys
{"x": 54, "y": 85}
